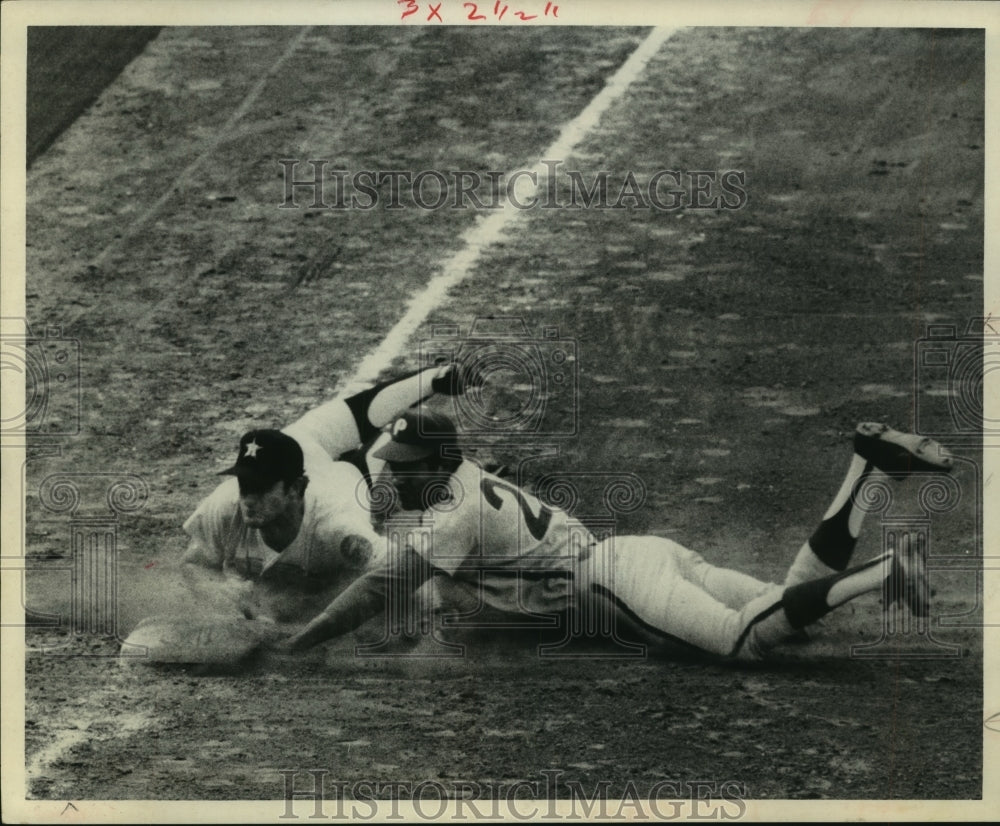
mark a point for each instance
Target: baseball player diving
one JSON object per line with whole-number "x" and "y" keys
{"x": 516, "y": 553}
{"x": 293, "y": 514}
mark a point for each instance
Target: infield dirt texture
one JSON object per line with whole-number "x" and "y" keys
{"x": 723, "y": 357}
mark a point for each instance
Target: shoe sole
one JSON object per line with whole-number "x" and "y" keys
{"x": 899, "y": 453}
{"x": 908, "y": 579}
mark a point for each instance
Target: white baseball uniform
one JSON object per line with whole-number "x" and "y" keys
{"x": 521, "y": 555}
{"x": 336, "y": 538}
{"x": 517, "y": 554}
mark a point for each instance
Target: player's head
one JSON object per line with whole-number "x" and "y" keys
{"x": 271, "y": 474}
{"x": 422, "y": 453}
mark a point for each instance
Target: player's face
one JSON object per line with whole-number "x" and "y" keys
{"x": 412, "y": 480}
{"x": 260, "y": 507}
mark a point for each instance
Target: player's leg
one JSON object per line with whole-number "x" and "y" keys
{"x": 733, "y": 589}
{"x": 880, "y": 453}
{"x": 342, "y": 425}
{"x": 646, "y": 583}
{"x": 377, "y": 406}
{"x": 646, "y": 579}
{"x": 901, "y": 575}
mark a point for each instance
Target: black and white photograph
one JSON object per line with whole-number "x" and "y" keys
{"x": 520, "y": 410}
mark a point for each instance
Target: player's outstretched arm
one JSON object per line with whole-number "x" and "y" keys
{"x": 363, "y": 599}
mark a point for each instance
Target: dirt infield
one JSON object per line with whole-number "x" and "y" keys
{"x": 724, "y": 357}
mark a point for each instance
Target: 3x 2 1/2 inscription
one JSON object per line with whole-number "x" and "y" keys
{"x": 476, "y": 12}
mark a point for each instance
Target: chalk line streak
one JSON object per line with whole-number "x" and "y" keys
{"x": 221, "y": 134}
{"x": 64, "y": 740}
{"x": 490, "y": 229}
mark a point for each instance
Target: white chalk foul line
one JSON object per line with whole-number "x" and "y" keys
{"x": 475, "y": 240}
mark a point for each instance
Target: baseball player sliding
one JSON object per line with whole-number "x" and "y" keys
{"x": 292, "y": 512}
{"x": 517, "y": 553}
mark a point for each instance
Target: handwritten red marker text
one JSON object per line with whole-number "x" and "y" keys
{"x": 476, "y": 12}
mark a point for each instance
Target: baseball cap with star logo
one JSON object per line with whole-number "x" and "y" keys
{"x": 266, "y": 457}
{"x": 416, "y": 435}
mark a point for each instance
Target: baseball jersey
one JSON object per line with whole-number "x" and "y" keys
{"x": 335, "y": 539}
{"x": 520, "y": 553}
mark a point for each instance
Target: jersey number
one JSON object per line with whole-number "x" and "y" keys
{"x": 537, "y": 524}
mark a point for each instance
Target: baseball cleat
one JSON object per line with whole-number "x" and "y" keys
{"x": 899, "y": 454}
{"x": 907, "y": 580}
